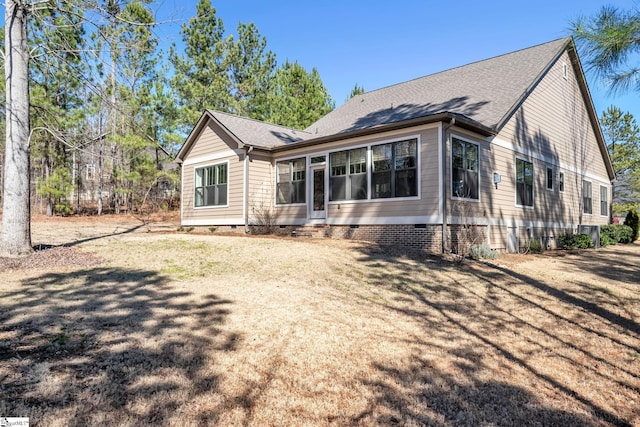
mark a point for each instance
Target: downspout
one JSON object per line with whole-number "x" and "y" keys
{"x": 245, "y": 190}
{"x": 445, "y": 183}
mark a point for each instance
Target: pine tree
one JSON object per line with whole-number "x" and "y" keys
{"x": 251, "y": 69}
{"x": 622, "y": 135}
{"x": 299, "y": 98}
{"x": 609, "y": 42}
{"x": 357, "y": 90}
{"x": 201, "y": 78}
{"x": 55, "y": 92}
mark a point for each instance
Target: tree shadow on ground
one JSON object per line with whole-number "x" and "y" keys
{"x": 475, "y": 316}
{"x": 107, "y": 346}
{"x": 43, "y": 246}
{"x": 421, "y": 394}
{"x": 619, "y": 263}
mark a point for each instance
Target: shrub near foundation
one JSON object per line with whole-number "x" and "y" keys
{"x": 608, "y": 235}
{"x": 624, "y": 234}
{"x": 575, "y": 241}
{"x": 612, "y": 234}
{"x": 535, "y": 247}
{"x": 482, "y": 252}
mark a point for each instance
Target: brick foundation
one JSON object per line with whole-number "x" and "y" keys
{"x": 422, "y": 237}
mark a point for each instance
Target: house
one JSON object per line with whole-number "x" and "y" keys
{"x": 93, "y": 165}
{"x": 499, "y": 151}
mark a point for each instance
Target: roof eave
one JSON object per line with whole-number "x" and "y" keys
{"x": 460, "y": 121}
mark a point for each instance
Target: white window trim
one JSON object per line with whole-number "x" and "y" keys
{"x": 608, "y": 204}
{"x": 307, "y": 169}
{"x": 228, "y": 186}
{"x": 369, "y": 146}
{"x": 546, "y": 179}
{"x": 561, "y": 189}
{"x": 533, "y": 184}
{"x": 470, "y": 141}
{"x": 582, "y": 195}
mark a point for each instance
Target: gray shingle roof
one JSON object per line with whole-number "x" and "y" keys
{"x": 258, "y": 133}
{"x": 484, "y": 91}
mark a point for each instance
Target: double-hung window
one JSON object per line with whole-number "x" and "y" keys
{"x": 524, "y": 183}
{"x": 561, "y": 181}
{"x": 549, "y": 178}
{"x": 348, "y": 175}
{"x": 394, "y": 169}
{"x": 604, "y": 201}
{"x": 587, "y": 197}
{"x": 464, "y": 177}
{"x": 211, "y": 185}
{"x": 290, "y": 184}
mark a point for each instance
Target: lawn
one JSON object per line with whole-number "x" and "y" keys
{"x": 136, "y": 325}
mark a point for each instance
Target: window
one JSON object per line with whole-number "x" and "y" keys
{"x": 587, "y": 197}
{"x": 348, "y": 175}
{"x": 604, "y": 201}
{"x": 91, "y": 172}
{"x": 464, "y": 177}
{"x": 549, "y": 179}
{"x": 561, "y": 181}
{"x": 211, "y": 185}
{"x": 290, "y": 181}
{"x": 524, "y": 183}
{"x": 394, "y": 171}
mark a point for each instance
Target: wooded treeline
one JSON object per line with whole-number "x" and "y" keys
{"x": 110, "y": 107}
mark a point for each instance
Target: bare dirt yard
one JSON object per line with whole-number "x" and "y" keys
{"x": 114, "y": 322}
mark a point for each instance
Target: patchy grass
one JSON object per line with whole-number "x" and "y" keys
{"x": 207, "y": 329}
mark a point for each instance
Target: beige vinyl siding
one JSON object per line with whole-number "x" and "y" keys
{"x": 209, "y": 146}
{"x": 210, "y": 140}
{"x": 550, "y": 129}
{"x": 261, "y": 186}
{"x": 554, "y": 122}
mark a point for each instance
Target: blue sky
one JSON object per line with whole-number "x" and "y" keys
{"x": 377, "y": 44}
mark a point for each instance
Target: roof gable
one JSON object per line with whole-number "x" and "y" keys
{"x": 485, "y": 91}
{"x": 244, "y": 131}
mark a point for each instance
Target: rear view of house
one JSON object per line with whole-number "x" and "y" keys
{"x": 499, "y": 151}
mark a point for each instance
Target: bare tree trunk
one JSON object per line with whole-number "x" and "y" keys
{"x": 15, "y": 238}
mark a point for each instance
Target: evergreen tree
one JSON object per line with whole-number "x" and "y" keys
{"x": 251, "y": 69}
{"x": 609, "y": 42}
{"x": 201, "y": 78}
{"x": 56, "y": 96}
{"x": 622, "y": 135}
{"x": 357, "y": 90}
{"x": 136, "y": 59}
{"x": 299, "y": 98}
{"x": 633, "y": 221}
